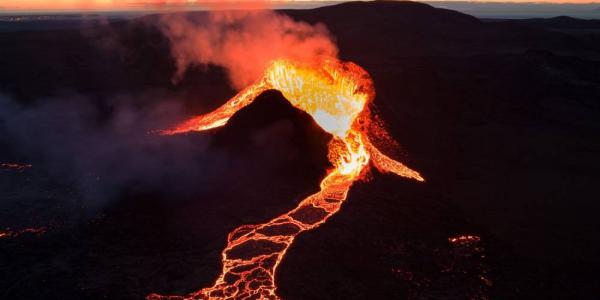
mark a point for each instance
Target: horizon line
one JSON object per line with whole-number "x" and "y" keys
{"x": 149, "y": 5}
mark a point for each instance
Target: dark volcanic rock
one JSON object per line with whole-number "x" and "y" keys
{"x": 273, "y": 131}
{"x": 360, "y": 253}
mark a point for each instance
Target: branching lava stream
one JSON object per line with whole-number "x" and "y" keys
{"x": 336, "y": 95}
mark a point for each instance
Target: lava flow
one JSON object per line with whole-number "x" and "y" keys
{"x": 16, "y": 233}
{"x": 336, "y": 95}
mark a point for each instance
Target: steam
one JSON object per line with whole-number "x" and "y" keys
{"x": 105, "y": 147}
{"x": 95, "y": 153}
{"x": 243, "y": 42}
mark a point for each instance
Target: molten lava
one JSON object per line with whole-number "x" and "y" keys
{"x": 336, "y": 95}
{"x": 16, "y": 233}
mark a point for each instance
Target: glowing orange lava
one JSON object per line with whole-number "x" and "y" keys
{"x": 335, "y": 94}
{"x": 16, "y": 233}
{"x": 464, "y": 239}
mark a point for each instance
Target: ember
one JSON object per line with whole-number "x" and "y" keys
{"x": 464, "y": 239}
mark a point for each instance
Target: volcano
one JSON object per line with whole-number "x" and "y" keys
{"x": 335, "y": 95}
{"x": 499, "y": 116}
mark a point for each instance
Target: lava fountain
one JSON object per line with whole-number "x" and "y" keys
{"x": 336, "y": 95}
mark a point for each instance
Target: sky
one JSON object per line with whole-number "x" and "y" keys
{"x": 62, "y": 5}
{"x": 521, "y": 10}
{"x": 148, "y": 4}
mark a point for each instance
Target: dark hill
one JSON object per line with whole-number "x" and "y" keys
{"x": 272, "y": 130}
{"x": 562, "y": 22}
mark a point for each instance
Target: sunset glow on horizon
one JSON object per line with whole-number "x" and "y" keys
{"x": 59, "y": 5}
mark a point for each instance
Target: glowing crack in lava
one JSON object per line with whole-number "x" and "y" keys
{"x": 336, "y": 95}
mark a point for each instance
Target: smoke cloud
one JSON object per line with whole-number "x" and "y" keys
{"x": 243, "y": 42}
{"x": 90, "y": 153}
{"x": 104, "y": 151}
{"x": 103, "y": 147}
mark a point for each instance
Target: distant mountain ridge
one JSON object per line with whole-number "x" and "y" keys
{"x": 564, "y": 22}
